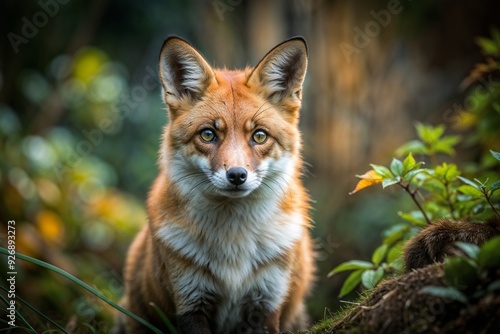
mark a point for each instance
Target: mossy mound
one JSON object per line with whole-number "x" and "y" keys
{"x": 399, "y": 306}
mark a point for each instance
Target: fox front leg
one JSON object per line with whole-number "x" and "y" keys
{"x": 195, "y": 322}
{"x": 258, "y": 319}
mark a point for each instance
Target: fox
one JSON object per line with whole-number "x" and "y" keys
{"x": 227, "y": 247}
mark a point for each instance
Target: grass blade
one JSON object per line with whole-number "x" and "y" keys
{"x": 83, "y": 285}
{"x": 18, "y": 314}
{"x": 163, "y": 317}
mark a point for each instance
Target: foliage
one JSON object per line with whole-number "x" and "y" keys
{"x": 437, "y": 191}
{"x": 26, "y": 324}
{"x": 481, "y": 108}
{"x": 468, "y": 276}
{"x": 73, "y": 205}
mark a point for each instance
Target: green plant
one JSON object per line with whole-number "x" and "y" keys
{"x": 437, "y": 190}
{"x": 29, "y": 328}
{"x": 468, "y": 277}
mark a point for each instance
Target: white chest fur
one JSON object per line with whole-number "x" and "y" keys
{"x": 232, "y": 241}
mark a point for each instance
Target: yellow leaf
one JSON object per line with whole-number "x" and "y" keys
{"x": 367, "y": 179}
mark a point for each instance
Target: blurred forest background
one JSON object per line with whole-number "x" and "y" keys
{"x": 81, "y": 118}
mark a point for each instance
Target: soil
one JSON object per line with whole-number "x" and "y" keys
{"x": 398, "y": 306}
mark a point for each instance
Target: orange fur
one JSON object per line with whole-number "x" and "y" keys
{"x": 227, "y": 248}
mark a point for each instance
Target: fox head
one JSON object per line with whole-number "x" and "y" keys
{"x": 232, "y": 133}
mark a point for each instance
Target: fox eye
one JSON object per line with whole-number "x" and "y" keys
{"x": 259, "y": 137}
{"x": 207, "y": 135}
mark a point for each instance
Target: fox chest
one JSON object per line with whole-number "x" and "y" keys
{"x": 238, "y": 266}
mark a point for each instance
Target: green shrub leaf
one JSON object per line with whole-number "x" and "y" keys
{"x": 445, "y": 145}
{"x": 351, "y": 283}
{"x": 493, "y": 286}
{"x": 395, "y": 233}
{"x": 428, "y": 133}
{"x": 395, "y": 252}
{"x": 460, "y": 272}
{"x": 447, "y": 172}
{"x": 470, "y": 191}
{"x": 408, "y": 163}
{"x": 494, "y": 187}
{"x": 414, "y": 146}
{"x": 371, "y": 277}
{"x": 416, "y": 218}
{"x": 469, "y": 182}
{"x": 411, "y": 174}
{"x": 382, "y": 171}
{"x": 488, "y": 46}
{"x": 379, "y": 254}
{"x": 496, "y": 155}
{"x": 392, "y": 181}
{"x": 397, "y": 167}
{"x": 351, "y": 265}
{"x": 489, "y": 255}
{"x": 445, "y": 292}
{"x": 470, "y": 249}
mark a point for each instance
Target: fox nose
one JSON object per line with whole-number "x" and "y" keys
{"x": 236, "y": 175}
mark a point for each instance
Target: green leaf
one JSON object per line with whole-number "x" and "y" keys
{"x": 460, "y": 272}
{"x": 494, "y": 187}
{"x": 469, "y": 182}
{"x": 395, "y": 252}
{"x": 379, "y": 254}
{"x": 398, "y": 265}
{"x": 351, "y": 282}
{"x": 411, "y": 174}
{"x": 382, "y": 171}
{"x": 392, "y": 181}
{"x": 408, "y": 163}
{"x": 478, "y": 209}
{"x": 414, "y": 146}
{"x": 470, "y": 191}
{"x": 489, "y": 255}
{"x": 351, "y": 265}
{"x": 470, "y": 249}
{"x": 370, "y": 278}
{"x": 445, "y": 292}
{"x": 395, "y": 233}
{"x": 447, "y": 172}
{"x": 488, "y": 46}
{"x": 496, "y": 155}
{"x": 428, "y": 133}
{"x": 416, "y": 218}
{"x": 494, "y": 286}
{"x": 445, "y": 145}
{"x": 397, "y": 167}
{"x": 435, "y": 186}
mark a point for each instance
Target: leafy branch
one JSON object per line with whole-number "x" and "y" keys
{"x": 438, "y": 191}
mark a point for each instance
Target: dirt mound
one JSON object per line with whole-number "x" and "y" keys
{"x": 399, "y": 306}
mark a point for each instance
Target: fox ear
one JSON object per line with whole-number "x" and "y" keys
{"x": 184, "y": 73}
{"x": 281, "y": 72}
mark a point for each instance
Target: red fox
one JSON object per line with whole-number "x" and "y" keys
{"x": 227, "y": 248}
